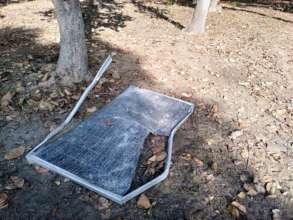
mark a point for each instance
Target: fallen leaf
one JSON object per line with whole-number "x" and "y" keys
{"x": 44, "y": 105}
{"x": 239, "y": 206}
{"x": 187, "y": 95}
{"x": 215, "y": 108}
{"x": 161, "y": 156}
{"x": 250, "y": 189}
{"x": 187, "y": 157}
{"x": 116, "y": 75}
{"x": 215, "y": 166}
{"x": 198, "y": 162}
{"x": 143, "y": 202}
{"x": 14, "y": 153}
{"x": 103, "y": 203}
{"x": 271, "y": 188}
{"x": 91, "y": 109}
{"x": 40, "y": 169}
{"x": 241, "y": 195}
{"x": 243, "y": 123}
{"x": 276, "y": 214}
{"x": 6, "y": 99}
{"x": 152, "y": 159}
{"x": 17, "y": 181}
{"x": 234, "y": 211}
{"x": 210, "y": 141}
{"x": 57, "y": 182}
{"x": 3, "y": 200}
{"x": 235, "y": 134}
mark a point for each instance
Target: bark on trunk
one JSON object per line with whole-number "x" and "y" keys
{"x": 73, "y": 61}
{"x": 215, "y": 6}
{"x": 199, "y": 17}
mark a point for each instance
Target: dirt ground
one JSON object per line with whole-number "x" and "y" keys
{"x": 237, "y": 148}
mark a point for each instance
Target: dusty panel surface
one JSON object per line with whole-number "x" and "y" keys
{"x": 104, "y": 149}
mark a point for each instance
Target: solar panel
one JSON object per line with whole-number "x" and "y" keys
{"x": 102, "y": 152}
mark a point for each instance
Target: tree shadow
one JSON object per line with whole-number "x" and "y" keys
{"x": 256, "y": 12}
{"x": 156, "y": 13}
{"x": 103, "y": 14}
{"x": 283, "y": 5}
{"x": 192, "y": 190}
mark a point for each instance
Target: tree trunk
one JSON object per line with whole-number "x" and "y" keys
{"x": 199, "y": 17}
{"x": 215, "y": 6}
{"x": 73, "y": 61}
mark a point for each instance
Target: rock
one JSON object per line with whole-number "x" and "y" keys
{"x": 14, "y": 153}
{"x": 235, "y": 134}
{"x": 143, "y": 202}
{"x": 239, "y": 206}
{"x": 3, "y": 200}
{"x": 276, "y": 214}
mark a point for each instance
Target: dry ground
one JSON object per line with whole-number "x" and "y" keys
{"x": 239, "y": 139}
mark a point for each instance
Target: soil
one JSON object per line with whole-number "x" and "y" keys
{"x": 239, "y": 74}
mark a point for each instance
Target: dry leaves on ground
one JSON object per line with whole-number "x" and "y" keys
{"x": 14, "y": 153}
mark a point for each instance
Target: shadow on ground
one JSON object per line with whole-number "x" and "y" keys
{"x": 103, "y": 14}
{"x": 281, "y": 5}
{"x": 243, "y": 9}
{"x": 156, "y": 13}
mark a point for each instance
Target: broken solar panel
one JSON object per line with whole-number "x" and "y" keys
{"x": 103, "y": 150}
